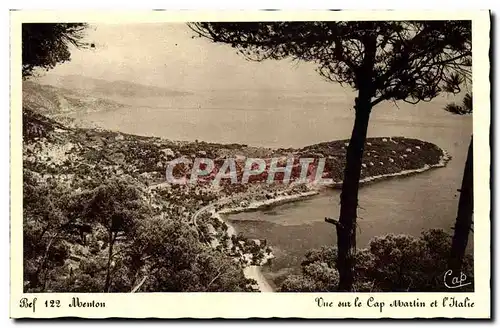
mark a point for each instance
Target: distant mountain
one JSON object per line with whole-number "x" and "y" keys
{"x": 55, "y": 95}
{"x": 99, "y": 87}
{"x": 54, "y": 101}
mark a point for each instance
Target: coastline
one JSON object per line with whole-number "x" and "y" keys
{"x": 257, "y": 205}
{"x": 254, "y": 271}
{"x": 69, "y": 156}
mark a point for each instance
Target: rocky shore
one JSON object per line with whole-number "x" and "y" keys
{"x": 82, "y": 159}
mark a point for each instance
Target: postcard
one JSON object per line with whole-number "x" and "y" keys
{"x": 250, "y": 164}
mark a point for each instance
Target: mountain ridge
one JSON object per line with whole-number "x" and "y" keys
{"x": 54, "y": 101}
{"x": 105, "y": 87}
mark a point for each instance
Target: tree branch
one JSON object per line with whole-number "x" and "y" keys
{"x": 136, "y": 288}
{"x": 219, "y": 273}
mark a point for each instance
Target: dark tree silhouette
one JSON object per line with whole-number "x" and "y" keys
{"x": 46, "y": 44}
{"x": 465, "y": 108}
{"x": 410, "y": 61}
{"x": 465, "y": 210}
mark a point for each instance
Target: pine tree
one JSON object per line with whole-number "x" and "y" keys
{"x": 46, "y": 44}
{"x": 464, "y": 221}
{"x": 411, "y": 61}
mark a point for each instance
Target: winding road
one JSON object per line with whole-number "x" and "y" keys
{"x": 250, "y": 272}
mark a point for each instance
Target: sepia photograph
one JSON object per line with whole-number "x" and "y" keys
{"x": 258, "y": 156}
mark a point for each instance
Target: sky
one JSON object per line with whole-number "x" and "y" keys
{"x": 167, "y": 55}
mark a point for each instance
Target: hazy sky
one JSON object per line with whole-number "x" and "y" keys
{"x": 166, "y": 55}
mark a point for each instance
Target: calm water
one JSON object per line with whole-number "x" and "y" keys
{"x": 284, "y": 119}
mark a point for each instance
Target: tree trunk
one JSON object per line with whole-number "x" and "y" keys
{"x": 464, "y": 215}
{"x": 41, "y": 268}
{"x": 110, "y": 255}
{"x": 346, "y": 227}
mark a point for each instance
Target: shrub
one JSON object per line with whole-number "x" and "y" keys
{"x": 390, "y": 263}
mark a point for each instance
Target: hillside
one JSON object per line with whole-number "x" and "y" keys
{"x": 55, "y": 101}
{"x": 59, "y": 96}
{"x": 90, "y": 193}
{"x": 77, "y": 182}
